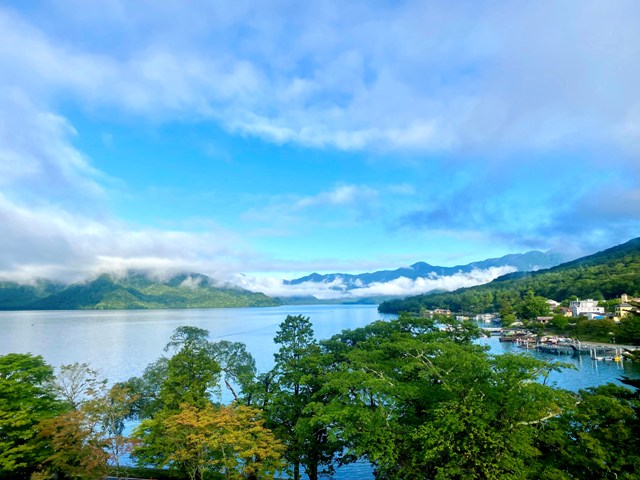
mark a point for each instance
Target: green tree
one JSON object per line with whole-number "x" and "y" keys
{"x": 296, "y": 379}
{"x": 109, "y": 408}
{"x": 560, "y": 322}
{"x": 25, "y": 400}
{"x": 146, "y": 389}
{"x": 596, "y": 438}
{"x": 421, "y": 402}
{"x": 629, "y": 330}
{"x": 507, "y": 314}
{"x": 237, "y": 365}
{"x": 533, "y": 306}
{"x": 190, "y": 377}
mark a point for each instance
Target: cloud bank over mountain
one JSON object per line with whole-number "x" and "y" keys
{"x": 403, "y": 286}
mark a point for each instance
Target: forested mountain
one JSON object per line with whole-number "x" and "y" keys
{"x": 605, "y": 274}
{"x": 522, "y": 262}
{"x": 134, "y": 291}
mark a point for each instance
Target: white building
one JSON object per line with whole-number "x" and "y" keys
{"x": 485, "y": 317}
{"x": 586, "y": 308}
{"x": 552, "y": 304}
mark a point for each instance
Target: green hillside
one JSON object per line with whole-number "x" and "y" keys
{"x": 135, "y": 291}
{"x": 603, "y": 275}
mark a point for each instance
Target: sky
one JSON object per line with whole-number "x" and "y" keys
{"x": 257, "y": 141}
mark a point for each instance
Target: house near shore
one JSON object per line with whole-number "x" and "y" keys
{"x": 438, "y": 311}
{"x": 485, "y": 317}
{"x": 552, "y": 304}
{"x": 544, "y": 320}
{"x": 625, "y": 308}
{"x": 586, "y": 308}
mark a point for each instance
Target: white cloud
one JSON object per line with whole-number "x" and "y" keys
{"x": 430, "y": 77}
{"x": 50, "y": 242}
{"x": 406, "y": 286}
{"x": 403, "y": 286}
{"x": 275, "y": 287}
{"x": 191, "y": 282}
{"x": 423, "y": 77}
{"x": 341, "y": 195}
{"x": 37, "y": 156}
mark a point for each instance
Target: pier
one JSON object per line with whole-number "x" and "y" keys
{"x": 567, "y": 346}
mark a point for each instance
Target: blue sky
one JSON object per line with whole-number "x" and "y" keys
{"x": 275, "y": 138}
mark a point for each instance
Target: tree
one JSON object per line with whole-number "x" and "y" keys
{"x": 191, "y": 375}
{"x": 629, "y": 330}
{"x": 230, "y": 440}
{"x": 146, "y": 389}
{"x": 25, "y": 400}
{"x": 297, "y": 377}
{"x": 533, "y": 306}
{"x": 507, "y": 314}
{"x": 418, "y": 402}
{"x": 75, "y": 382}
{"x": 560, "y": 322}
{"x": 596, "y": 438}
{"x": 185, "y": 380}
{"x": 110, "y": 408}
{"x": 76, "y": 448}
{"x": 237, "y": 365}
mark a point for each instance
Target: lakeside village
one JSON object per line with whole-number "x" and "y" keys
{"x": 541, "y": 333}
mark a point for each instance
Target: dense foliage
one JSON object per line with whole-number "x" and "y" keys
{"x": 415, "y": 398}
{"x": 606, "y": 274}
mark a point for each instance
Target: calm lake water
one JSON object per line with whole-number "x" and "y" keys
{"x": 120, "y": 344}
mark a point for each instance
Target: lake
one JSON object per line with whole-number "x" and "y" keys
{"x": 120, "y": 344}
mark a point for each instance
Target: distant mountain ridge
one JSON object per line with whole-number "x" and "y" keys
{"x": 606, "y": 274}
{"x": 522, "y": 262}
{"x": 132, "y": 291}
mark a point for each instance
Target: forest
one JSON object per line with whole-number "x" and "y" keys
{"x": 415, "y": 398}
{"x": 604, "y": 275}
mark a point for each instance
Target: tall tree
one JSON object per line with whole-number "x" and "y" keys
{"x": 237, "y": 365}
{"x": 25, "y": 400}
{"x": 190, "y": 376}
{"x": 296, "y": 378}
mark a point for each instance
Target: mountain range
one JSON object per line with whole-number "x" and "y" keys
{"x": 603, "y": 275}
{"x": 139, "y": 290}
{"x": 520, "y": 262}
{"x": 132, "y": 291}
